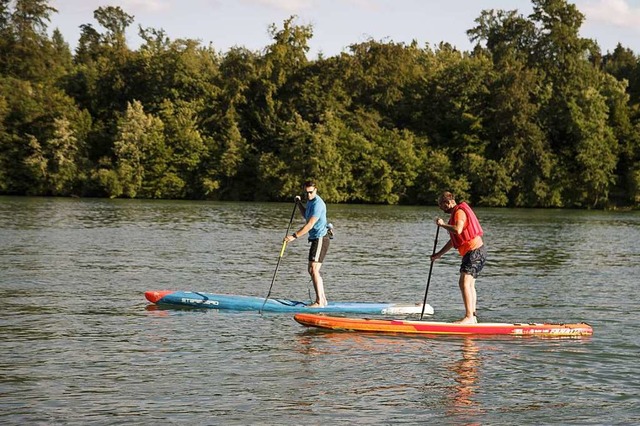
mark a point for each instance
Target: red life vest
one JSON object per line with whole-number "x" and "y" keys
{"x": 471, "y": 228}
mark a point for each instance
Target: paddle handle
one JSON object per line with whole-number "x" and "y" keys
{"x": 435, "y": 244}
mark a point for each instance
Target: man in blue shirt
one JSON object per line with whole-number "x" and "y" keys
{"x": 315, "y": 214}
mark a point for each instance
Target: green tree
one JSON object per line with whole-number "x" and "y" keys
{"x": 5, "y": 143}
{"x": 175, "y": 70}
{"x": 332, "y": 142}
{"x": 383, "y": 162}
{"x": 228, "y": 159}
{"x": 185, "y": 148}
{"x": 435, "y": 173}
{"x": 115, "y": 21}
{"x": 229, "y": 167}
{"x": 454, "y": 102}
{"x": 381, "y": 75}
{"x": 320, "y": 88}
{"x": 99, "y": 84}
{"x": 55, "y": 164}
{"x": 269, "y": 94}
{"x": 269, "y": 107}
{"x": 558, "y": 47}
{"x": 506, "y": 34}
{"x": 65, "y": 159}
{"x": 44, "y": 136}
{"x": 620, "y": 119}
{"x": 559, "y": 144}
{"x": 312, "y": 150}
{"x": 595, "y": 152}
{"x": 517, "y": 141}
{"x": 25, "y": 48}
{"x": 63, "y": 64}
{"x": 624, "y": 64}
{"x": 141, "y": 155}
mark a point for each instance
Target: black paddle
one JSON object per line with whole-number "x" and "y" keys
{"x": 284, "y": 245}
{"x": 424, "y": 303}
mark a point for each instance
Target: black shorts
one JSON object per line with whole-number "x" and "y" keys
{"x": 473, "y": 261}
{"x": 318, "y": 249}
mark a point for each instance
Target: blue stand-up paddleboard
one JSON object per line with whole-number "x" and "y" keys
{"x": 254, "y": 303}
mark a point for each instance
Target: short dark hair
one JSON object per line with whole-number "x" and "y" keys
{"x": 447, "y": 196}
{"x": 309, "y": 183}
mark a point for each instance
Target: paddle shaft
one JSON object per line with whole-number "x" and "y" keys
{"x": 284, "y": 245}
{"x": 424, "y": 302}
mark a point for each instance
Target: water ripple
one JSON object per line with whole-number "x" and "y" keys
{"x": 80, "y": 346}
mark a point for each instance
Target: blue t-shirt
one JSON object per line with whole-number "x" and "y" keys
{"x": 317, "y": 208}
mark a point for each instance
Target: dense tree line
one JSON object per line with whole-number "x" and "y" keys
{"x": 533, "y": 116}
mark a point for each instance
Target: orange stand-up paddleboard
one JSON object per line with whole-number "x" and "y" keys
{"x": 430, "y": 327}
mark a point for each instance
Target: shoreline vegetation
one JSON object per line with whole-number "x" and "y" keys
{"x": 533, "y": 116}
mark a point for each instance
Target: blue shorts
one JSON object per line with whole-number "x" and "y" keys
{"x": 473, "y": 261}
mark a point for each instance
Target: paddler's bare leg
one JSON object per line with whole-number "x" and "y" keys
{"x": 468, "y": 289}
{"x": 318, "y": 285}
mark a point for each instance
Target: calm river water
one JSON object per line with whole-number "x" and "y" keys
{"x": 80, "y": 344}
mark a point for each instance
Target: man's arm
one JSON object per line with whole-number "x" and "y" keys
{"x": 306, "y": 228}
{"x": 442, "y": 251}
{"x": 458, "y": 227}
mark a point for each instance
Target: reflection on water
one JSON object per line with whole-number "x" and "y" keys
{"x": 466, "y": 370}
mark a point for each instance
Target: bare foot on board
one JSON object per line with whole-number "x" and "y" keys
{"x": 467, "y": 320}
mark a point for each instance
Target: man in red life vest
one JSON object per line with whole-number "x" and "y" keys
{"x": 465, "y": 235}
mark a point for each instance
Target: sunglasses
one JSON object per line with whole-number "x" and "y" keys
{"x": 309, "y": 192}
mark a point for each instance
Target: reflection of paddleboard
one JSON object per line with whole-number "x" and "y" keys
{"x": 254, "y": 303}
{"x": 429, "y": 327}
